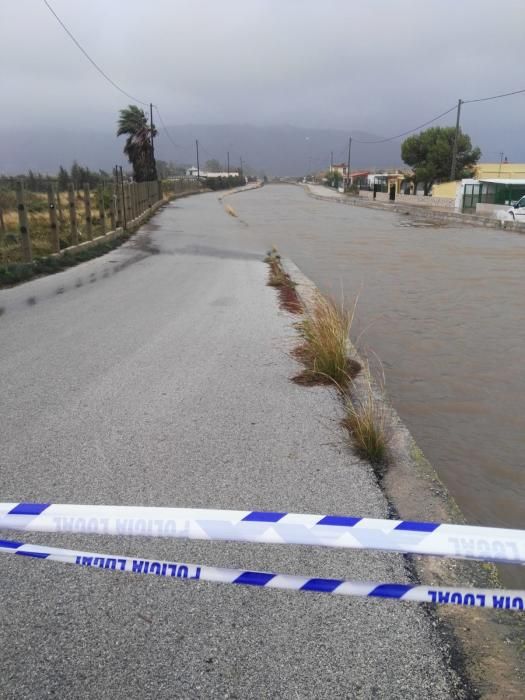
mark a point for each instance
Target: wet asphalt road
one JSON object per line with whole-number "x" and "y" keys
{"x": 159, "y": 375}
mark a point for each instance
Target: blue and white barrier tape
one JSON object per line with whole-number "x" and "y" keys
{"x": 473, "y": 597}
{"x": 460, "y": 541}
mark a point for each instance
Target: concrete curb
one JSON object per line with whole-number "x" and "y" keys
{"x": 423, "y": 212}
{"x": 415, "y": 492}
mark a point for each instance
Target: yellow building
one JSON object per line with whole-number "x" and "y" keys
{"x": 483, "y": 171}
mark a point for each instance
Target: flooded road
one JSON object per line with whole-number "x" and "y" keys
{"x": 443, "y": 307}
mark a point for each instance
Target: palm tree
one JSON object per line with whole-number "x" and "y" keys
{"x": 138, "y": 148}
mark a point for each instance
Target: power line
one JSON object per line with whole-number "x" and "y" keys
{"x": 98, "y": 68}
{"x": 405, "y": 133}
{"x": 147, "y": 104}
{"x": 176, "y": 145}
{"x": 479, "y": 99}
{"x": 493, "y": 97}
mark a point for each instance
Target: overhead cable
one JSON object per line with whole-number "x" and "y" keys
{"x": 98, "y": 68}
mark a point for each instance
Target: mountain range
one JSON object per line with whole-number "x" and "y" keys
{"x": 273, "y": 150}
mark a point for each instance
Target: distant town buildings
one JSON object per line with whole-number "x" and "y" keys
{"x": 194, "y": 172}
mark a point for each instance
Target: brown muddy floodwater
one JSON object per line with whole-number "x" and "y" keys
{"x": 443, "y": 307}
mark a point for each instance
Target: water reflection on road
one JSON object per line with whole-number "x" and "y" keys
{"x": 443, "y": 308}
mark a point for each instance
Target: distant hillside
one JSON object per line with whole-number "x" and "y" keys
{"x": 275, "y": 150}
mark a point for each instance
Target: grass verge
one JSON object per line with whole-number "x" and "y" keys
{"x": 21, "y": 272}
{"x": 366, "y": 422}
{"x": 324, "y": 331}
{"x": 278, "y": 278}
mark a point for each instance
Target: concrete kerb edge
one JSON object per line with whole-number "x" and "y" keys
{"x": 415, "y": 492}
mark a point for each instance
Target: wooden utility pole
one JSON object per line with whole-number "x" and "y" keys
{"x": 455, "y": 147}
{"x": 228, "y": 158}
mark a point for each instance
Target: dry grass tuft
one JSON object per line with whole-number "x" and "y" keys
{"x": 324, "y": 350}
{"x": 278, "y": 277}
{"x": 231, "y": 211}
{"x": 366, "y": 422}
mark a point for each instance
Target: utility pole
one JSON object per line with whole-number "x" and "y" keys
{"x": 228, "y": 157}
{"x": 153, "y": 164}
{"x": 348, "y": 163}
{"x": 455, "y": 148}
{"x": 331, "y": 161}
{"x": 241, "y": 167}
{"x": 198, "y": 166}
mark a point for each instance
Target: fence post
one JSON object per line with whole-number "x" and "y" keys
{"x": 127, "y": 199}
{"x": 87, "y": 209}
{"x": 54, "y": 237}
{"x": 60, "y": 211}
{"x": 2, "y": 236}
{"x": 72, "y": 215}
{"x": 25, "y": 239}
{"x": 118, "y": 200}
{"x": 123, "y": 201}
{"x": 134, "y": 199}
{"x": 101, "y": 207}
{"x": 113, "y": 208}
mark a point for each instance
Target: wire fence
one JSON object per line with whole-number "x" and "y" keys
{"x": 39, "y": 224}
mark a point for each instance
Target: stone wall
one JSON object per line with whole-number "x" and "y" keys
{"x": 419, "y": 199}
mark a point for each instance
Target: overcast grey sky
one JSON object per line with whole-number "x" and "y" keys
{"x": 381, "y": 66}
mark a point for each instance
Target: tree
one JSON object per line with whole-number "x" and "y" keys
{"x": 430, "y": 155}
{"x": 138, "y": 147}
{"x": 63, "y": 179}
{"x": 333, "y": 179}
{"x": 213, "y": 166}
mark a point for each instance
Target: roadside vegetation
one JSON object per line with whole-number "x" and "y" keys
{"x": 323, "y": 350}
{"x": 365, "y": 421}
{"x": 21, "y": 272}
{"x": 324, "y": 332}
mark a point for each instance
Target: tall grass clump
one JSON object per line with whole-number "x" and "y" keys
{"x": 278, "y": 277}
{"x": 324, "y": 351}
{"x": 366, "y": 422}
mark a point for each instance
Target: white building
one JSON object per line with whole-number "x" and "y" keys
{"x": 193, "y": 172}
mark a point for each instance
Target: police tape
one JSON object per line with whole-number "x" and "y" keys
{"x": 498, "y": 545}
{"x": 440, "y": 595}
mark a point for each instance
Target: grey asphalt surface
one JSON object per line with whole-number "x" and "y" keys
{"x": 159, "y": 375}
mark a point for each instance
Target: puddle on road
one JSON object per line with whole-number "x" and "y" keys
{"x": 211, "y": 252}
{"x": 422, "y": 223}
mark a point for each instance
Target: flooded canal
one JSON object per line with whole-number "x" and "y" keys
{"x": 444, "y": 309}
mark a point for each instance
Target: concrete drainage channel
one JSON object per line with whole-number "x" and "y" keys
{"x": 488, "y": 644}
